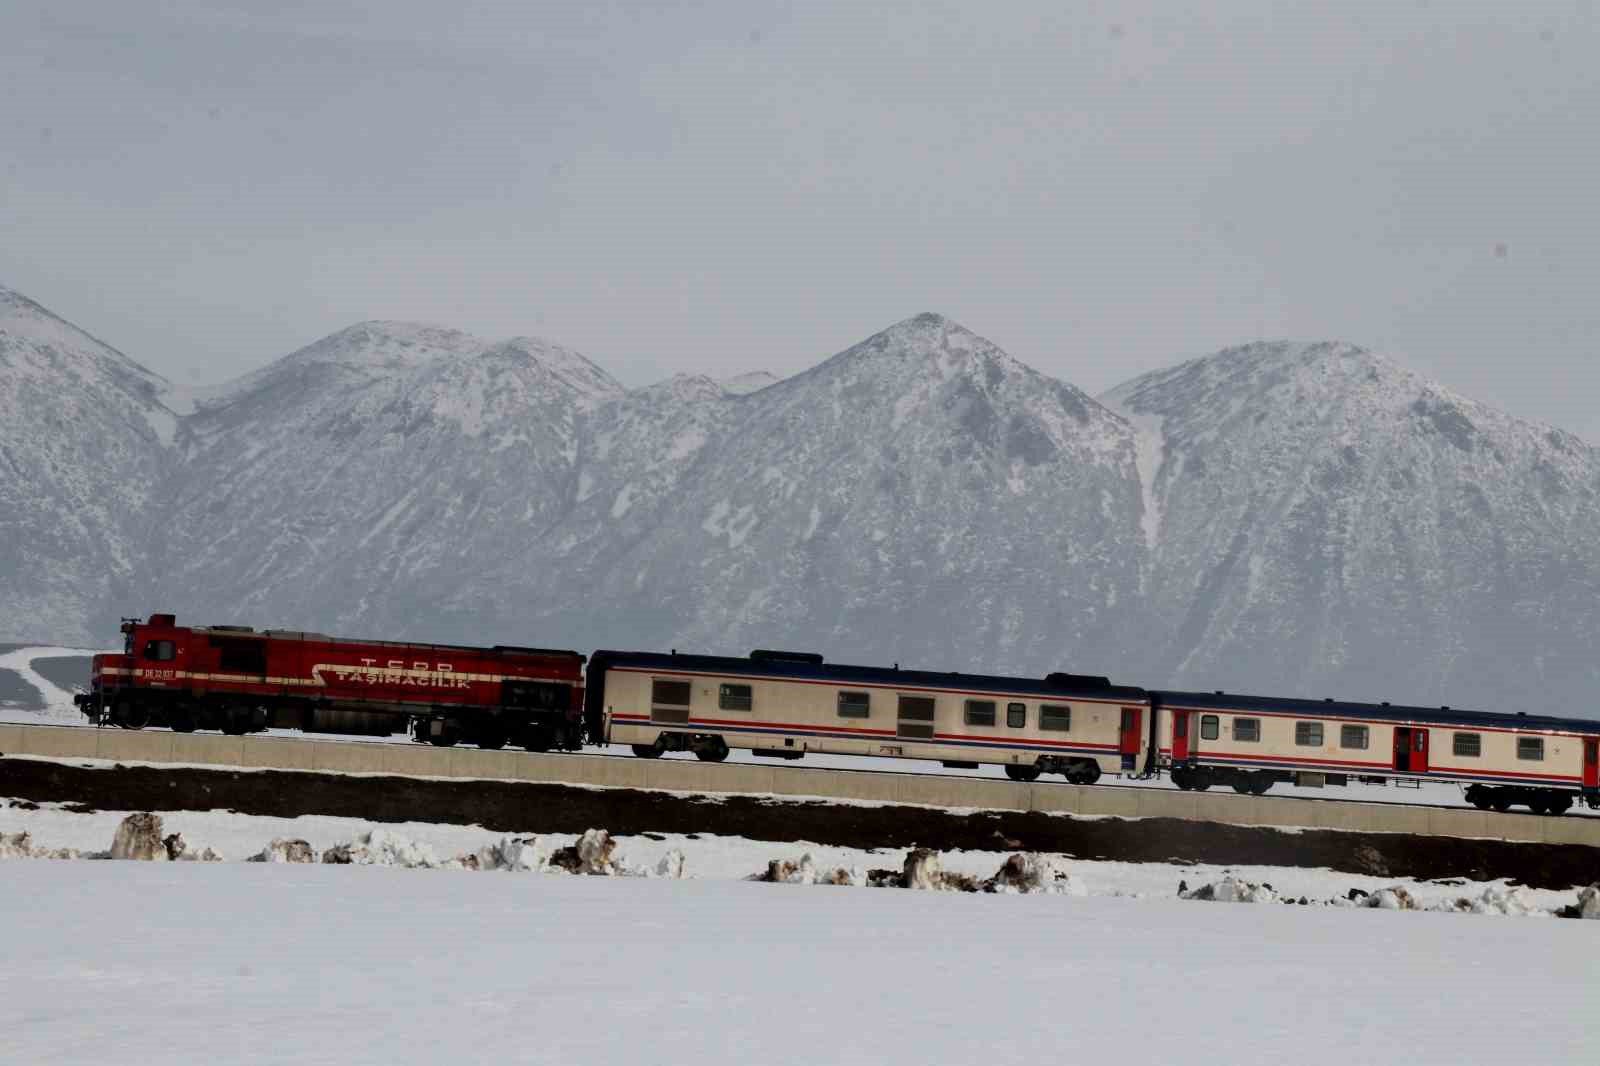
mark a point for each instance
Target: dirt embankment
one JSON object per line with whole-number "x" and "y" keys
{"x": 541, "y": 808}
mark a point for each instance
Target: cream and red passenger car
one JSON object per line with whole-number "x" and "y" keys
{"x": 1250, "y": 742}
{"x": 784, "y": 705}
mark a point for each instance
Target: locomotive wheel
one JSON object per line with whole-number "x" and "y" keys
{"x": 130, "y": 715}
{"x": 443, "y": 740}
{"x": 713, "y": 753}
{"x": 647, "y": 751}
{"x": 1022, "y": 772}
{"x": 236, "y": 721}
{"x": 493, "y": 742}
{"x": 181, "y": 720}
{"x": 536, "y": 739}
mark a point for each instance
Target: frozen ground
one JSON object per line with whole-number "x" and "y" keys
{"x": 60, "y": 711}
{"x": 236, "y": 837}
{"x": 159, "y": 963}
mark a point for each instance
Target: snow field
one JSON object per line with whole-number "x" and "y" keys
{"x": 162, "y": 962}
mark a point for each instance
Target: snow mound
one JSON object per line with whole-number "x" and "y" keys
{"x": 1495, "y": 901}
{"x": 1232, "y": 890}
{"x": 923, "y": 872}
{"x": 179, "y": 851}
{"x": 17, "y": 846}
{"x": 670, "y": 866}
{"x": 1589, "y": 902}
{"x": 805, "y": 872}
{"x": 514, "y": 854}
{"x": 139, "y": 838}
{"x": 21, "y": 846}
{"x": 1588, "y": 905}
{"x": 1393, "y": 898}
{"x": 591, "y": 855}
{"x": 281, "y": 850}
{"x": 383, "y": 847}
{"x": 1025, "y": 873}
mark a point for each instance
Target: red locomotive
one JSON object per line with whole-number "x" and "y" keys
{"x": 238, "y": 680}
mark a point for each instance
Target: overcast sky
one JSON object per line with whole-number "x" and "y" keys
{"x": 1101, "y": 189}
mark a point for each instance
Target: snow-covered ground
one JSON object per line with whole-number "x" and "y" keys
{"x": 236, "y": 837}
{"x": 165, "y": 962}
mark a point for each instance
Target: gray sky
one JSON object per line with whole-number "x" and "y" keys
{"x": 1101, "y": 189}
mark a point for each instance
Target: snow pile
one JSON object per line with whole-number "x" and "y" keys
{"x": 594, "y": 855}
{"x": 1021, "y": 873}
{"x": 1495, "y": 901}
{"x": 591, "y": 855}
{"x": 383, "y": 847}
{"x": 1589, "y": 902}
{"x": 21, "y": 846}
{"x": 139, "y": 838}
{"x": 670, "y": 866}
{"x": 923, "y": 872}
{"x": 281, "y": 850}
{"x": 178, "y": 851}
{"x": 516, "y": 854}
{"x": 1588, "y": 905}
{"x": 1393, "y": 898}
{"x": 1026, "y": 872}
{"x": 1231, "y": 890}
{"x": 805, "y": 872}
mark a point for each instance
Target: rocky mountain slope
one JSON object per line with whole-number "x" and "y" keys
{"x": 359, "y": 481}
{"x": 85, "y": 443}
{"x": 1299, "y": 519}
{"x": 920, "y": 497}
{"x": 1322, "y": 521}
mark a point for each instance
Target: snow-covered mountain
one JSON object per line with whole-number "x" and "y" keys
{"x": 359, "y": 481}
{"x": 921, "y": 497}
{"x": 1299, "y": 519}
{"x": 85, "y": 442}
{"x": 1322, "y": 521}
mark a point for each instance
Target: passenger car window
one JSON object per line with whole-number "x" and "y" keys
{"x": 1530, "y": 749}
{"x": 1467, "y": 745}
{"x": 670, "y": 693}
{"x": 980, "y": 712}
{"x": 1247, "y": 730}
{"x": 1209, "y": 729}
{"x": 735, "y": 698}
{"x": 1016, "y": 715}
{"x": 1055, "y": 718}
{"x": 855, "y": 704}
{"x": 916, "y": 718}
{"x": 1353, "y": 736}
{"x": 1308, "y": 734}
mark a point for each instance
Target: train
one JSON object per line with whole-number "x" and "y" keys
{"x": 785, "y": 705}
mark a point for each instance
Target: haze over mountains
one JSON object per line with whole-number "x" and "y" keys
{"x": 1303, "y": 519}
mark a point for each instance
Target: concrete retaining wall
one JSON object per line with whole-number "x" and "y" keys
{"x": 160, "y": 746}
